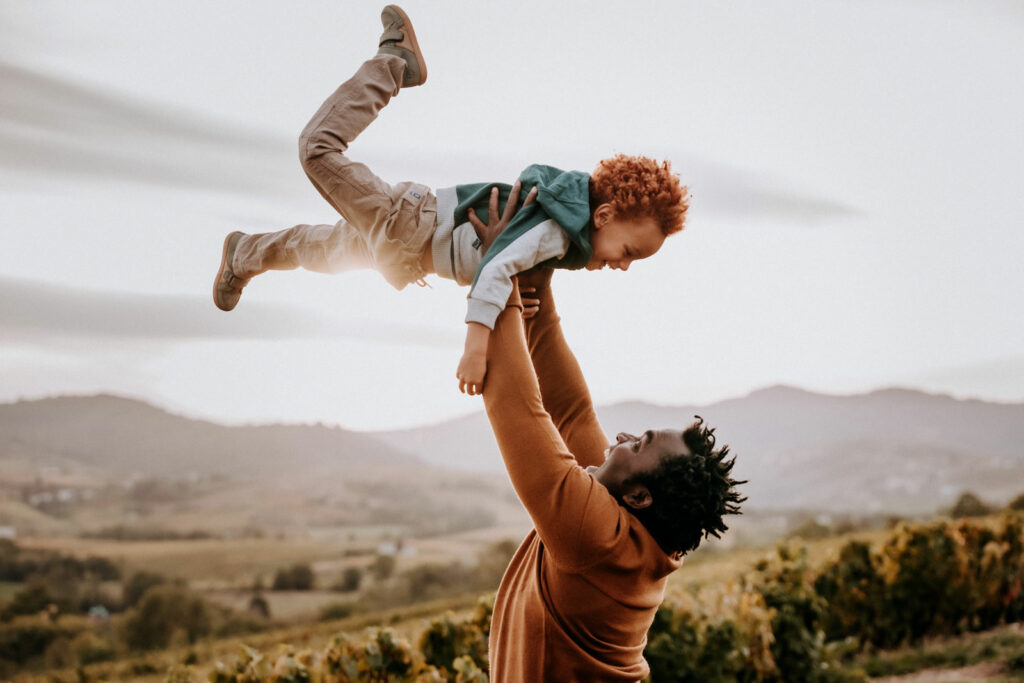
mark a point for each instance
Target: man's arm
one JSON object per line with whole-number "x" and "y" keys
{"x": 563, "y": 388}
{"x": 577, "y": 518}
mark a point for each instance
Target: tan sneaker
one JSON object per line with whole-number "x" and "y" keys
{"x": 227, "y": 288}
{"x": 400, "y": 39}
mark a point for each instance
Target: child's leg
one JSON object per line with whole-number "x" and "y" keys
{"x": 395, "y": 222}
{"x": 350, "y": 187}
{"x": 321, "y": 248}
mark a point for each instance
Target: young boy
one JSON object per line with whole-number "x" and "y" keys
{"x": 620, "y": 213}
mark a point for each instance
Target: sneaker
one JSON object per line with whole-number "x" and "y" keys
{"x": 400, "y": 39}
{"x": 227, "y": 288}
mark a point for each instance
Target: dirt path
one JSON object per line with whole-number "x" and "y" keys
{"x": 979, "y": 672}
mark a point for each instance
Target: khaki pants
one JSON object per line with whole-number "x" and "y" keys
{"x": 384, "y": 227}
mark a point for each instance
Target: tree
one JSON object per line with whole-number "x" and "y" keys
{"x": 298, "y": 577}
{"x": 350, "y": 581}
{"x": 258, "y": 605}
{"x": 164, "y": 611}
{"x": 383, "y": 567}
{"x": 1017, "y": 503}
{"x": 969, "y": 505}
{"x": 137, "y": 585}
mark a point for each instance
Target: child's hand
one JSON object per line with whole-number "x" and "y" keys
{"x": 473, "y": 366}
{"x": 530, "y": 306}
{"x": 471, "y": 372}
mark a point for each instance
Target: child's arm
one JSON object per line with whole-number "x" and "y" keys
{"x": 473, "y": 365}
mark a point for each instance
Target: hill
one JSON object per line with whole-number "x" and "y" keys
{"x": 120, "y": 436}
{"x": 894, "y": 449}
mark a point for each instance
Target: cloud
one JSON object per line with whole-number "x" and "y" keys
{"x": 37, "y": 312}
{"x": 734, "y": 192}
{"x": 51, "y": 126}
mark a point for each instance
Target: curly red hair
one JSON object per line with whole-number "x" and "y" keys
{"x": 639, "y": 186}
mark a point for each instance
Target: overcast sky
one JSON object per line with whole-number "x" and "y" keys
{"x": 856, "y": 171}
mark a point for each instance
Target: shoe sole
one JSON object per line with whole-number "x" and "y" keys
{"x": 410, "y": 43}
{"x": 220, "y": 271}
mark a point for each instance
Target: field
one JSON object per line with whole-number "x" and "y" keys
{"x": 222, "y": 571}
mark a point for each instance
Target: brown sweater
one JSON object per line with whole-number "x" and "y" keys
{"x": 578, "y": 597}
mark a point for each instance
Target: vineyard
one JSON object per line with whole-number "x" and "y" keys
{"x": 784, "y": 619}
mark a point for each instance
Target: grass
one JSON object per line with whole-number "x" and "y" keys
{"x": 409, "y": 622}
{"x": 8, "y": 589}
{"x": 224, "y": 562}
{"x": 1004, "y": 645}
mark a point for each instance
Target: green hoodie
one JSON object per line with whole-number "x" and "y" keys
{"x": 562, "y": 196}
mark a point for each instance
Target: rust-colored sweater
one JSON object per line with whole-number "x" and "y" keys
{"x": 578, "y": 597}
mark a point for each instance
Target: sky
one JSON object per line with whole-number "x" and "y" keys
{"x": 855, "y": 171}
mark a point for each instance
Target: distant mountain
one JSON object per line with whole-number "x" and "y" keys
{"x": 120, "y": 436}
{"x": 893, "y": 449}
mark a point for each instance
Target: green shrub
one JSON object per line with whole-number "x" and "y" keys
{"x": 298, "y": 577}
{"x": 163, "y": 612}
{"x": 90, "y": 647}
{"x": 137, "y": 585}
{"x": 27, "y": 638}
{"x": 336, "y": 610}
{"x": 970, "y": 505}
{"x": 446, "y": 640}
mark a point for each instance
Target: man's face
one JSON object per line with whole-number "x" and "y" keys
{"x": 631, "y": 455}
{"x": 617, "y": 243}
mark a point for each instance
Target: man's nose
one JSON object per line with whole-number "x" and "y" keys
{"x": 622, "y": 436}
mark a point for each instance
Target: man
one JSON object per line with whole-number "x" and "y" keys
{"x": 611, "y": 522}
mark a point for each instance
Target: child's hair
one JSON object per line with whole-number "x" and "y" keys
{"x": 638, "y": 187}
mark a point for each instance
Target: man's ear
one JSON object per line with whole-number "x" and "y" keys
{"x": 638, "y": 497}
{"x": 602, "y": 215}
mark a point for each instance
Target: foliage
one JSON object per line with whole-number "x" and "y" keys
{"x": 350, "y": 580}
{"x": 1017, "y": 503}
{"x": 336, "y": 610}
{"x": 381, "y": 656}
{"x": 970, "y": 505}
{"x": 26, "y": 638}
{"x": 90, "y": 647}
{"x": 446, "y": 640}
{"x": 164, "y": 612}
{"x": 137, "y": 585}
{"x": 259, "y": 606}
{"x": 926, "y": 580}
{"x": 18, "y": 564}
{"x": 383, "y": 567}
{"x": 298, "y": 577}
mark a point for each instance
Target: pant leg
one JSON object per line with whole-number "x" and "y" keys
{"x": 321, "y": 248}
{"x": 394, "y": 222}
{"x": 350, "y": 187}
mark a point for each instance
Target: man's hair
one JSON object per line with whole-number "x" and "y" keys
{"x": 637, "y": 187}
{"x": 691, "y": 493}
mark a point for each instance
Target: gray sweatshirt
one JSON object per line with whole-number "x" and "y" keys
{"x": 456, "y": 252}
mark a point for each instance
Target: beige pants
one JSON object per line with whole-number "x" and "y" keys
{"x": 384, "y": 227}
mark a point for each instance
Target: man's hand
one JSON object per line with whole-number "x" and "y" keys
{"x": 489, "y": 233}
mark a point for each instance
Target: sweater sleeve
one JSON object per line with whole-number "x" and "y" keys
{"x": 577, "y": 519}
{"x": 494, "y": 282}
{"x": 562, "y": 384}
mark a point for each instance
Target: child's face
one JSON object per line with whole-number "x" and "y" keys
{"x": 618, "y": 242}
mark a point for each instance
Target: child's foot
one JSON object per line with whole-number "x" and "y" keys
{"x": 399, "y": 39}
{"x": 227, "y": 288}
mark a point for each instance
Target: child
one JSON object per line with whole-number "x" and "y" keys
{"x": 573, "y": 220}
